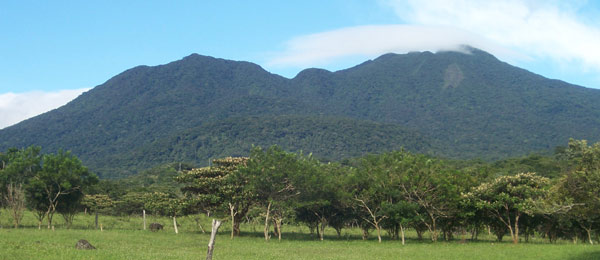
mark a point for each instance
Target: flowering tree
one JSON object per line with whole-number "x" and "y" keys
{"x": 506, "y": 199}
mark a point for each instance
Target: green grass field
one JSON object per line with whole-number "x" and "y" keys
{"x": 123, "y": 238}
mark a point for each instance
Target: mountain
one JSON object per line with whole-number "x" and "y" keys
{"x": 452, "y": 104}
{"x": 475, "y": 104}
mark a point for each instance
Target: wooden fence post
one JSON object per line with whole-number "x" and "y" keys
{"x": 211, "y": 243}
{"x": 144, "y": 216}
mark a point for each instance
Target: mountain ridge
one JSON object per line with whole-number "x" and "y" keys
{"x": 466, "y": 105}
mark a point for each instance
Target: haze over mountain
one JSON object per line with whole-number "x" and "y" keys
{"x": 451, "y": 104}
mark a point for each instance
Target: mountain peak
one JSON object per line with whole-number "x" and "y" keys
{"x": 462, "y": 50}
{"x": 312, "y": 72}
{"x": 196, "y": 56}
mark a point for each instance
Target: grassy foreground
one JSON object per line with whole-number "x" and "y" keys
{"x": 125, "y": 243}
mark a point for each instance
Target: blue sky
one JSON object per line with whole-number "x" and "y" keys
{"x": 51, "y": 51}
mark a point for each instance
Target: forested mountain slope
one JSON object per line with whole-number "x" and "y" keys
{"x": 452, "y": 104}
{"x": 475, "y": 104}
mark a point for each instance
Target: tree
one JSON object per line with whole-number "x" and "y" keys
{"x": 15, "y": 201}
{"x": 581, "y": 185}
{"x": 166, "y": 205}
{"x": 557, "y": 216}
{"x": 130, "y": 203}
{"x": 583, "y": 188}
{"x": 371, "y": 185}
{"x": 61, "y": 174}
{"x": 3, "y": 160}
{"x": 583, "y": 157}
{"x": 401, "y": 214}
{"x": 271, "y": 176}
{"x": 433, "y": 186}
{"x": 508, "y": 198}
{"x": 321, "y": 200}
{"x": 97, "y": 203}
{"x": 19, "y": 165}
{"x": 398, "y": 188}
{"x": 69, "y": 206}
{"x": 37, "y": 201}
{"x": 220, "y": 188}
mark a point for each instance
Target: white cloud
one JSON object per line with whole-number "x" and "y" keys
{"x": 514, "y": 30}
{"x": 16, "y": 107}
{"x": 550, "y": 29}
{"x": 374, "y": 40}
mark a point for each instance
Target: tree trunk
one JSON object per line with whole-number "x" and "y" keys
{"x": 474, "y": 233}
{"x": 463, "y": 235}
{"x": 236, "y": 227}
{"x": 322, "y": 231}
{"x": 516, "y": 231}
{"x": 323, "y": 224}
{"x": 40, "y": 218}
{"x": 402, "y": 233}
{"x": 199, "y": 225}
{"x": 589, "y": 234}
{"x": 448, "y": 234}
{"x": 378, "y": 232}
{"x": 232, "y": 213}
{"x": 396, "y": 231}
{"x": 278, "y": 225}
{"x": 50, "y": 220}
{"x": 434, "y": 233}
{"x": 499, "y": 237}
{"x": 365, "y": 233}
{"x": 511, "y": 230}
{"x": 175, "y": 225}
{"x": 419, "y": 233}
{"x": 318, "y": 231}
{"x": 338, "y": 230}
{"x": 275, "y": 230}
{"x": 211, "y": 243}
{"x": 267, "y": 222}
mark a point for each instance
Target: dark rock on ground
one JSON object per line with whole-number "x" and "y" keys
{"x": 84, "y": 244}
{"x": 155, "y": 227}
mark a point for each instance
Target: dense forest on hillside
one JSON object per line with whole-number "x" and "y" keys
{"x": 451, "y": 104}
{"x": 330, "y": 139}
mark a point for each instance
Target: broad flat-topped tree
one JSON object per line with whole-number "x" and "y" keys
{"x": 219, "y": 189}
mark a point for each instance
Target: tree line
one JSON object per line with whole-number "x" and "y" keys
{"x": 389, "y": 192}
{"x": 399, "y": 190}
